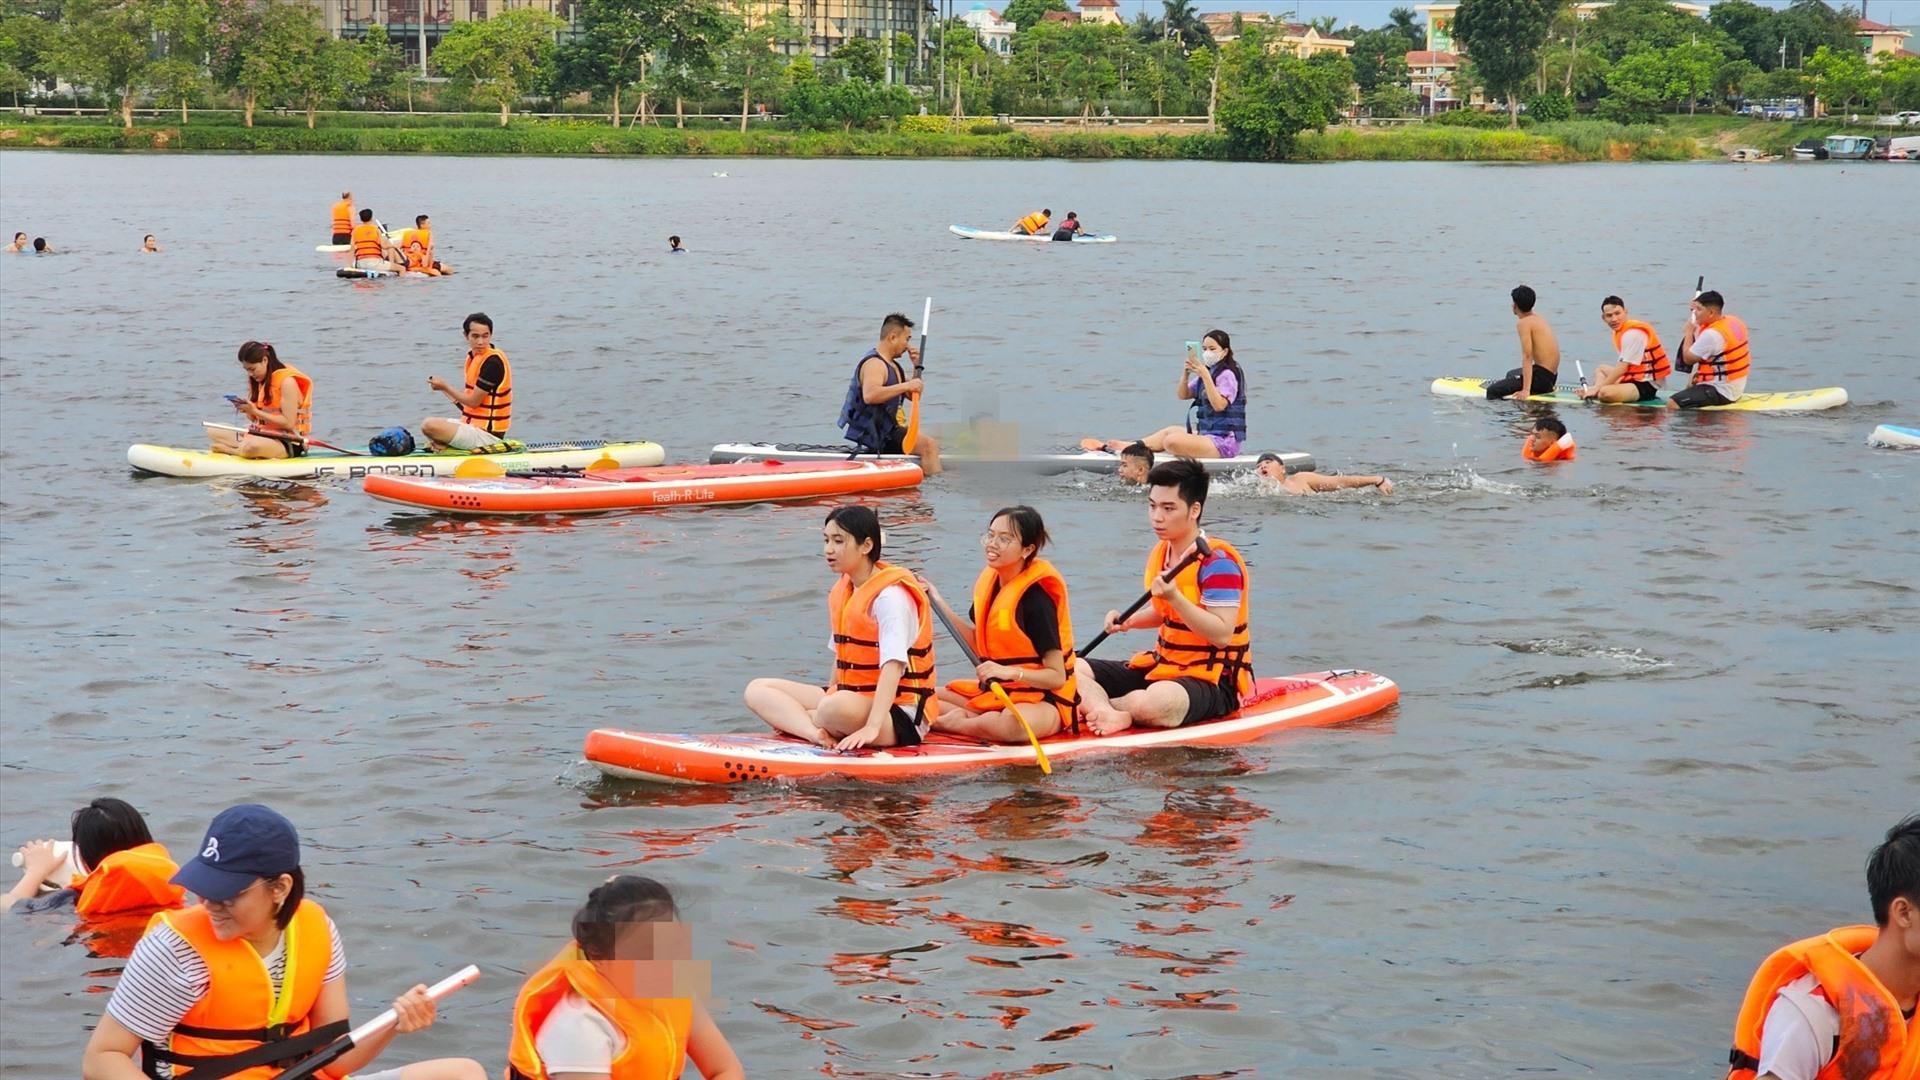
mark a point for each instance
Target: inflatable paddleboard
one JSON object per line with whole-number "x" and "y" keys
{"x": 965, "y": 232}
{"x": 1320, "y": 699}
{"x": 333, "y": 248}
{"x": 330, "y": 465}
{"x": 1895, "y": 437}
{"x": 1827, "y": 397}
{"x": 360, "y": 274}
{"x": 643, "y": 488}
{"x": 1066, "y": 461}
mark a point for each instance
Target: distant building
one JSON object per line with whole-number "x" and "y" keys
{"x": 1440, "y": 19}
{"x": 1101, "y": 12}
{"x": 1430, "y": 72}
{"x": 1297, "y": 38}
{"x": 994, "y": 32}
{"x": 1068, "y": 17}
{"x": 1878, "y": 40}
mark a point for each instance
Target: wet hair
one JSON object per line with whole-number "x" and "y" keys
{"x": 148, "y": 237}
{"x": 859, "y": 522}
{"x": 40, "y": 244}
{"x": 674, "y": 240}
{"x": 1550, "y": 423}
{"x": 295, "y": 894}
{"x": 1138, "y": 450}
{"x": 1073, "y": 215}
{"x": 366, "y": 215}
{"x": 419, "y": 219}
{"x": 346, "y": 194}
{"x": 1047, "y": 210}
{"x": 1027, "y": 525}
{"x": 1893, "y": 870}
{"x": 107, "y": 825}
{"x": 615, "y": 903}
{"x": 1523, "y": 298}
{"x": 466, "y": 324}
{"x": 1228, "y": 362}
{"x": 1186, "y": 475}
{"x": 895, "y": 321}
{"x": 1711, "y": 298}
{"x": 1613, "y": 301}
{"x": 253, "y": 352}
{"x": 19, "y": 236}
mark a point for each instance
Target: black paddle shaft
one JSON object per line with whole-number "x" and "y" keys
{"x": 959, "y": 639}
{"x": 1200, "y": 551}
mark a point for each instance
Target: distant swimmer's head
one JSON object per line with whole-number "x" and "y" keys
{"x": 1271, "y": 466}
{"x": 40, "y": 245}
{"x": 366, "y": 216}
{"x": 105, "y": 826}
{"x": 1546, "y": 431}
{"x": 1893, "y": 883}
{"x": 1708, "y": 304}
{"x": 1613, "y": 312}
{"x": 1176, "y": 495}
{"x": 478, "y": 330}
{"x": 150, "y": 243}
{"x": 673, "y": 243}
{"x": 19, "y": 241}
{"x": 1136, "y": 461}
{"x": 420, "y": 221}
{"x": 1523, "y": 299}
{"x": 895, "y": 331}
{"x": 1014, "y": 536}
{"x": 851, "y": 537}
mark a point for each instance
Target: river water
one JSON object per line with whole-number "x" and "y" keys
{"x": 1658, "y": 703}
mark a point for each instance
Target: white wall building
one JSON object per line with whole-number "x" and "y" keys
{"x": 995, "y": 33}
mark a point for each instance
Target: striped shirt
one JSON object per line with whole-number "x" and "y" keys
{"x": 165, "y": 977}
{"x": 1221, "y": 582}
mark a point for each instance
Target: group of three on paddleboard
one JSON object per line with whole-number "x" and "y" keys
{"x": 279, "y": 402}
{"x": 1714, "y": 346}
{"x": 371, "y": 248}
{"x": 884, "y": 690}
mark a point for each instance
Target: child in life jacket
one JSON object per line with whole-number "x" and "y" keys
{"x": 111, "y": 866}
{"x": 623, "y": 998}
{"x": 1549, "y": 442}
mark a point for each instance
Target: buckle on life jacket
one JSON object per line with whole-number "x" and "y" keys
{"x": 1738, "y": 1059}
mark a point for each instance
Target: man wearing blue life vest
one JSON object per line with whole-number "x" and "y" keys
{"x": 881, "y": 395}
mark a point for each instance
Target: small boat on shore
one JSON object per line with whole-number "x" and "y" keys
{"x": 1849, "y": 147}
{"x": 1750, "y": 155}
{"x": 1810, "y": 150}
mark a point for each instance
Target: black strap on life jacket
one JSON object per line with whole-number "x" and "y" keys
{"x": 1738, "y": 1059}
{"x": 278, "y": 1049}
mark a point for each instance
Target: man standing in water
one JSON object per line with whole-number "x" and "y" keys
{"x": 875, "y": 413}
{"x": 1539, "y": 353}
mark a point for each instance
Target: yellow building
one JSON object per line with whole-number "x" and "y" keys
{"x": 1878, "y": 40}
{"x": 1297, "y": 38}
{"x": 1101, "y": 12}
{"x": 1440, "y": 19}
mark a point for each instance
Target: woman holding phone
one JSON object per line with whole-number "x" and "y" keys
{"x": 1211, "y": 378}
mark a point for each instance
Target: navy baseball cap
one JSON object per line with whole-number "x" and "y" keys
{"x": 244, "y": 844}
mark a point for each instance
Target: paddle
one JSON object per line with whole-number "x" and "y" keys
{"x": 1200, "y": 551}
{"x": 1582, "y": 372}
{"x": 375, "y": 1026}
{"x": 913, "y": 425}
{"x": 1039, "y": 755}
{"x": 261, "y": 429}
{"x": 1699, "y": 286}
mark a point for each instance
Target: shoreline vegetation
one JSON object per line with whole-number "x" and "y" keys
{"x": 1677, "y": 138}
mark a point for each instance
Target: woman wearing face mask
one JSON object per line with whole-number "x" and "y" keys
{"x": 1217, "y": 387}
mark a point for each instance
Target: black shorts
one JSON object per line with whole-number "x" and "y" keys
{"x": 895, "y": 445}
{"x": 342, "y": 238}
{"x": 1694, "y": 397}
{"x": 295, "y": 447}
{"x": 1648, "y": 391}
{"x": 1543, "y": 383}
{"x": 905, "y": 731}
{"x": 1205, "y": 700}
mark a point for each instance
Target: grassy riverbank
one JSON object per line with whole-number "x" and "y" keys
{"x": 1675, "y": 139}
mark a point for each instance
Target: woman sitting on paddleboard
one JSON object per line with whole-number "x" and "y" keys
{"x": 1217, "y": 387}
{"x": 250, "y": 980}
{"x": 1024, "y": 639}
{"x": 279, "y": 402}
{"x": 622, "y": 999}
{"x": 882, "y": 641}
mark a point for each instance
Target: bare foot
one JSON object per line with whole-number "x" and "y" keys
{"x": 1108, "y": 721}
{"x": 1094, "y": 445}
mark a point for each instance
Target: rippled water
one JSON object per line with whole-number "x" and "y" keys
{"x": 1658, "y": 703}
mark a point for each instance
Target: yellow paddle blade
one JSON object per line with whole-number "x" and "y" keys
{"x": 602, "y": 464}
{"x": 478, "y": 468}
{"x": 912, "y": 436}
{"x": 1040, "y": 756}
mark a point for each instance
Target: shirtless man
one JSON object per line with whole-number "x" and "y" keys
{"x": 1539, "y": 353}
{"x": 1313, "y": 483}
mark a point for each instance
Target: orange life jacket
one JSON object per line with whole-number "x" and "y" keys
{"x": 656, "y": 1029}
{"x": 425, "y": 236}
{"x": 368, "y": 242}
{"x": 343, "y": 216}
{"x": 1876, "y": 1041}
{"x": 419, "y": 259}
{"x": 128, "y": 881}
{"x": 1560, "y": 449}
{"x": 1031, "y": 224}
{"x": 267, "y": 396}
{"x": 239, "y": 1021}
{"x": 1653, "y": 364}
{"x": 997, "y": 637}
{"x": 1182, "y": 653}
{"x": 856, "y": 639}
{"x": 495, "y": 411}
{"x": 1733, "y": 361}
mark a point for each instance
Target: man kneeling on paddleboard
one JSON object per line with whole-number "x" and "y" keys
{"x": 874, "y": 415}
{"x": 1201, "y": 663}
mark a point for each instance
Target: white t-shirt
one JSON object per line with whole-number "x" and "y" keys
{"x": 1633, "y": 346}
{"x": 1710, "y": 344}
{"x": 1797, "y": 1039}
{"x": 578, "y": 1038}
{"x": 899, "y": 623}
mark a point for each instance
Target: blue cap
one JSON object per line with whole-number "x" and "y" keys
{"x": 244, "y": 844}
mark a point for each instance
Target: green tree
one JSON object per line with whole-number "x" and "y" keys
{"x": 1379, "y": 59}
{"x": 1779, "y": 83}
{"x": 499, "y": 59}
{"x": 1267, "y": 98}
{"x": 1628, "y": 26}
{"x": 1751, "y": 28}
{"x": 751, "y": 59}
{"x": 1392, "y": 100}
{"x": 254, "y": 45}
{"x": 1090, "y": 74}
{"x": 1841, "y": 77}
{"x": 1637, "y": 87}
{"x": 1406, "y": 23}
{"x": 107, "y": 45}
{"x": 28, "y": 43}
{"x": 1900, "y": 82}
{"x": 177, "y": 82}
{"x": 862, "y": 59}
{"x": 1504, "y": 38}
{"x": 614, "y": 43}
{"x": 1182, "y": 22}
{"x": 326, "y": 73}
{"x": 1691, "y": 68}
{"x": 689, "y": 64}
{"x": 1806, "y": 25}
{"x": 1025, "y": 13}
{"x": 1732, "y": 77}
{"x": 388, "y": 73}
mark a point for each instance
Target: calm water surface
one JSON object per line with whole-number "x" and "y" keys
{"x": 1658, "y": 703}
